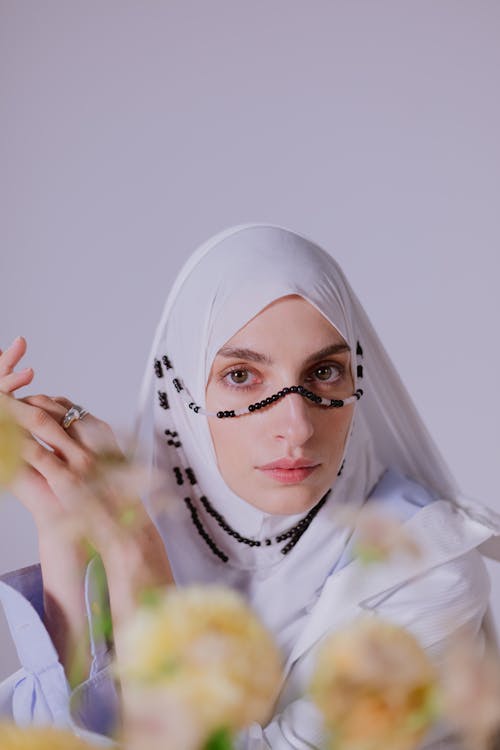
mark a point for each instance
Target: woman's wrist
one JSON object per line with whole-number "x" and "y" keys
{"x": 134, "y": 563}
{"x": 64, "y": 598}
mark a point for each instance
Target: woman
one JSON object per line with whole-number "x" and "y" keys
{"x": 275, "y": 406}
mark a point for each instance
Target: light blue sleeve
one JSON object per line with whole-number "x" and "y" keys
{"x": 39, "y": 693}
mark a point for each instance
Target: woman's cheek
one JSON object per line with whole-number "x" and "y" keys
{"x": 229, "y": 447}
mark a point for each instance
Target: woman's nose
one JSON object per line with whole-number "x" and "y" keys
{"x": 293, "y": 419}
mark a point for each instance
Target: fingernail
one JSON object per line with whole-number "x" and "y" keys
{"x": 18, "y": 338}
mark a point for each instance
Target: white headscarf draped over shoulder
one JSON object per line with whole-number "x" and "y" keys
{"x": 225, "y": 283}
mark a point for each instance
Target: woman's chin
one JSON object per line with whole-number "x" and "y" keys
{"x": 284, "y": 499}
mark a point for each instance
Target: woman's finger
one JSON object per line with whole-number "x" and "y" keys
{"x": 56, "y": 410}
{"x": 89, "y": 431}
{"x": 63, "y": 401}
{"x": 118, "y": 482}
{"x": 33, "y": 492}
{"x": 11, "y": 356}
{"x": 86, "y": 511}
{"x": 41, "y": 423}
{"x": 14, "y": 380}
{"x": 65, "y": 483}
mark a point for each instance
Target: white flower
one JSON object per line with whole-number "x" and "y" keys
{"x": 471, "y": 691}
{"x": 195, "y": 661}
{"x": 375, "y": 687}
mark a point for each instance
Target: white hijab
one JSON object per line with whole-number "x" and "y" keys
{"x": 225, "y": 283}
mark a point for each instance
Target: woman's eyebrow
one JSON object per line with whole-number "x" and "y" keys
{"x": 236, "y": 353}
{"x": 327, "y": 351}
{"x": 251, "y": 356}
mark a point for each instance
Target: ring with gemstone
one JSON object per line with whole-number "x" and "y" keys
{"x": 74, "y": 413}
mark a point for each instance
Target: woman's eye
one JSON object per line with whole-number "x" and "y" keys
{"x": 238, "y": 377}
{"x": 327, "y": 373}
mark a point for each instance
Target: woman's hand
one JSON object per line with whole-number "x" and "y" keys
{"x": 54, "y": 474}
{"x": 29, "y": 486}
{"x": 69, "y": 502}
{"x": 64, "y": 602}
{"x": 74, "y": 477}
{"x": 95, "y": 495}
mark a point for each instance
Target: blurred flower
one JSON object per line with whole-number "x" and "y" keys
{"x": 10, "y": 447}
{"x": 13, "y": 737}
{"x": 120, "y": 481}
{"x": 194, "y": 662}
{"x": 470, "y": 686}
{"x": 375, "y": 687}
{"x": 378, "y": 536}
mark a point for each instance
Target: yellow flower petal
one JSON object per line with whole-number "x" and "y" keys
{"x": 205, "y": 652}
{"x": 13, "y": 737}
{"x": 10, "y": 447}
{"x": 375, "y": 687}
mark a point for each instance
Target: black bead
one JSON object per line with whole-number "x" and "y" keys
{"x": 359, "y": 350}
{"x": 158, "y": 368}
{"x": 293, "y": 389}
{"x": 359, "y": 371}
{"x": 199, "y": 527}
{"x": 162, "y": 397}
{"x": 251, "y": 408}
{"x": 177, "y": 384}
{"x": 190, "y": 474}
{"x": 220, "y": 414}
{"x": 166, "y": 362}
{"x": 172, "y": 441}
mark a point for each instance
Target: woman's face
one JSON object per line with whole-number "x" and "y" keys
{"x": 281, "y": 346}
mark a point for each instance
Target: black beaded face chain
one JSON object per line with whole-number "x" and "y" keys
{"x": 335, "y": 403}
{"x": 293, "y": 534}
{"x": 328, "y": 402}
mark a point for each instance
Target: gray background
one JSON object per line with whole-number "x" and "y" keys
{"x": 132, "y": 131}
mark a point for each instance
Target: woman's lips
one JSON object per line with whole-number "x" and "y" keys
{"x": 289, "y": 476}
